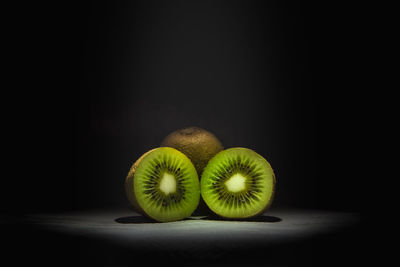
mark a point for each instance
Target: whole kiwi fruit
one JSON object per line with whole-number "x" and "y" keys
{"x": 198, "y": 144}
{"x": 163, "y": 185}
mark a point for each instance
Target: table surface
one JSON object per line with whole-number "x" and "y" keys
{"x": 278, "y": 234}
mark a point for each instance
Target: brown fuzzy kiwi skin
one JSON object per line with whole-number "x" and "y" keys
{"x": 129, "y": 190}
{"x": 197, "y": 144}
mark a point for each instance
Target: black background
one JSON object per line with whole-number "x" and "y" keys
{"x": 100, "y": 83}
{"x": 92, "y": 85}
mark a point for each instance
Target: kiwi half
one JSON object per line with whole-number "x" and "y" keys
{"x": 238, "y": 183}
{"x": 198, "y": 144}
{"x": 163, "y": 184}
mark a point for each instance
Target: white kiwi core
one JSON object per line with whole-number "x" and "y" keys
{"x": 167, "y": 183}
{"x": 236, "y": 183}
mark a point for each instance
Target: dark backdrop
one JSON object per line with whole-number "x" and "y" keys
{"x": 100, "y": 83}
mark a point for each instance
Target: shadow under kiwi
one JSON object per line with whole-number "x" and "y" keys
{"x": 261, "y": 218}
{"x": 138, "y": 219}
{"x": 134, "y": 219}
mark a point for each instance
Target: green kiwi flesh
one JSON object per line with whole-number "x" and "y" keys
{"x": 198, "y": 144}
{"x": 163, "y": 184}
{"x": 238, "y": 183}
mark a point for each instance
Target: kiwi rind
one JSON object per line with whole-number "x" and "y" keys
{"x": 130, "y": 192}
{"x": 134, "y": 187}
{"x": 198, "y": 144}
{"x": 229, "y": 217}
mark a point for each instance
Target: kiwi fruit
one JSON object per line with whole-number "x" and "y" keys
{"x": 196, "y": 143}
{"x": 163, "y": 185}
{"x": 238, "y": 183}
